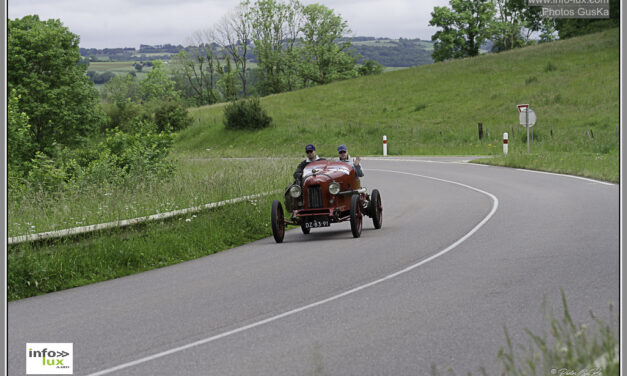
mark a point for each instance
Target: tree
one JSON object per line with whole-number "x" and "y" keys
{"x": 275, "y": 31}
{"x": 228, "y": 81}
{"x": 157, "y": 86}
{"x": 20, "y": 148}
{"x": 196, "y": 70}
{"x": 234, "y": 33}
{"x": 464, "y": 28}
{"x": 370, "y": 67}
{"x": 45, "y": 70}
{"x": 322, "y": 59}
{"x": 572, "y": 27}
{"x": 121, "y": 88}
{"x": 515, "y": 22}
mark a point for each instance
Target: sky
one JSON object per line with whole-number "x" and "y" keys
{"x": 129, "y": 23}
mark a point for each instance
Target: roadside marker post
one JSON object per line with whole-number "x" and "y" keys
{"x": 385, "y": 145}
{"x": 505, "y": 143}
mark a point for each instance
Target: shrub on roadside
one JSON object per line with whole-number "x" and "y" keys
{"x": 123, "y": 158}
{"x": 246, "y": 114}
{"x": 172, "y": 117}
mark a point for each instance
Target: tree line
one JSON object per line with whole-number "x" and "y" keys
{"x": 293, "y": 46}
{"x": 466, "y": 25}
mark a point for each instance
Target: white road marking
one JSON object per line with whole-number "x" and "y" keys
{"x": 495, "y": 205}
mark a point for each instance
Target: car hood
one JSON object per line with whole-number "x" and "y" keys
{"x": 320, "y": 171}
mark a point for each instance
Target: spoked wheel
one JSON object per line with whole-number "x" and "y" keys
{"x": 305, "y": 230}
{"x": 356, "y": 216}
{"x": 376, "y": 209}
{"x": 278, "y": 221}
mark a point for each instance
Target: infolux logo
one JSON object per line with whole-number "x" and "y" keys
{"x": 49, "y": 358}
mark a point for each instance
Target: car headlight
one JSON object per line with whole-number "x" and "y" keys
{"x": 295, "y": 191}
{"x": 334, "y": 188}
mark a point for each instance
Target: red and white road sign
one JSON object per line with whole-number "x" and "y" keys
{"x": 522, "y": 107}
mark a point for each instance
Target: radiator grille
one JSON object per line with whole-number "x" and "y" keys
{"x": 314, "y": 197}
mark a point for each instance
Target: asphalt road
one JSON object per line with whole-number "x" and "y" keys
{"x": 464, "y": 251}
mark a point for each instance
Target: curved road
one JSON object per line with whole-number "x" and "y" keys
{"x": 464, "y": 250}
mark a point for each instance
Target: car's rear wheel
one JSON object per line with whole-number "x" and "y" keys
{"x": 278, "y": 221}
{"x": 376, "y": 209}
{"x": 305, "y": 230}
{"x": 356, "y": 216}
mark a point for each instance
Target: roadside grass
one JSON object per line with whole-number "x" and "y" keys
{"x": 51, "y": 265}
{"x": 569, "y": 348}
{"x": 591, "y": 165}
{"x": 195, "y": 182}
{"x": 435, "y": 109}
{"x": 37, "y": 268}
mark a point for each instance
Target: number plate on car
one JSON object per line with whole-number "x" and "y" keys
{"x": 317, "y": 223}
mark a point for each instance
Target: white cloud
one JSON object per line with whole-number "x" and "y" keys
{"x": 126, "y": 23}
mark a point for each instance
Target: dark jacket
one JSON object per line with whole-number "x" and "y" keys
{"x": 298, "y": 174}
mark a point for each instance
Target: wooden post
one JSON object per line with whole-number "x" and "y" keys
{"x": 480, "y": 126}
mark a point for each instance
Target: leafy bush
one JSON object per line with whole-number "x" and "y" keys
{"x": 121, "y": 159}
{"x": 125, "y": 114}
{"x": 100, "y": 78}
{"x": 246, "y": 114}
{"x": 44, "y": 172}
{"x": 370, "y": 67}
{"x": 172, "y": 117}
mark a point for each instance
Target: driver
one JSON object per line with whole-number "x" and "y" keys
{"x": 311, "y": 157}
{"x": 344, "y": 157}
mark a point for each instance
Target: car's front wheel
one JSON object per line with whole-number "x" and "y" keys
{"x": 356, "y": 216}
{"x": 278, "y": 221}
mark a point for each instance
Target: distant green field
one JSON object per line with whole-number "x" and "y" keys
{"x": 392, "y": 43}
{"x": 377, "y": 43}
{"x": 113, "y": 66}
{"x": 435, "y": 109}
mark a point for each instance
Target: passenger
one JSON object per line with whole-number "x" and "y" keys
{"x": 344, "y": 157}
{"x": 311, "y": 157}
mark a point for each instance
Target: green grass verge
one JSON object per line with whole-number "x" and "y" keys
{"x": 41, "y": 267}
{"x": 195, "y": 182}
{"x": 56, "y": 264}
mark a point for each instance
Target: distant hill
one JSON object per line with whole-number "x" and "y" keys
{"x": 387, "y": 52}
{"x": 435, "y": 108}
{"x": 394, "y": 52}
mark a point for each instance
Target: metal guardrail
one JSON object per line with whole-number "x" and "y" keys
{"x": 130, "y": 222}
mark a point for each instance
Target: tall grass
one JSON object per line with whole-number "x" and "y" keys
{"x": 44, "y": 266}
{"x": 195, "y": 182}
{"x": 569, "y": 348}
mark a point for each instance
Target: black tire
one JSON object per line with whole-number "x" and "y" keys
{"x": 375, "y": 209}
{"x": 278, "y": 221}
{"x": 356, "y": 216}
{"x": 304, "y": 229}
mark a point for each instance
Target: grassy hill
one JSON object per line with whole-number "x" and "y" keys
{"x": 572, "y": 85}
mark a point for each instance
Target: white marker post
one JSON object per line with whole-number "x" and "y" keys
{"x": 505, "y": 141}
{"x": 385, "y": 145}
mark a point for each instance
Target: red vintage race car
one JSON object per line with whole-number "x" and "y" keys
{"x": 330, "y": 192}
